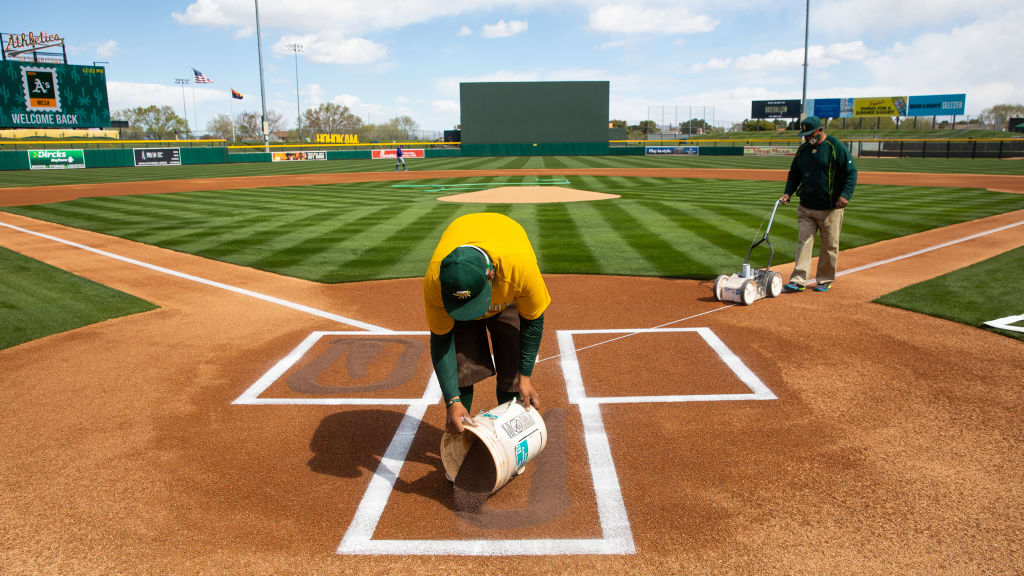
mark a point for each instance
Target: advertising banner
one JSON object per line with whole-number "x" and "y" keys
{"x": 830, "y": 107}
{"x": 938, "y": 105}
{"x": 775, "y": 109}
{"x": 770, "y": 150}
{"x": 298, "y": 156}
{"x": 42, "y": 95}
{"x": 665, "y": 150}
{"x": 157, "y": 156}
{"x": 883, "y": 106}
{"x": 55, "y": 159}
{"x": 393, "y": 154}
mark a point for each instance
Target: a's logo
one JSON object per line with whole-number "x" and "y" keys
{"x": 42, "y": 94}
{"x": 463, "y": 294}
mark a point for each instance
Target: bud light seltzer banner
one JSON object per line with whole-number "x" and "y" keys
{"x": 42, "y": 95}
{"x": 55, "y": 159}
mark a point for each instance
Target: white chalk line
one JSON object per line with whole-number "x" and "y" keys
{"x": 1007, "y": 323}
{"x": 272, "y": 299}
{"x": 574, "y": 377}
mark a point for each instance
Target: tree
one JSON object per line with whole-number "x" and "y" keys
{"x": 249, "y": 127}
{"x": 220, "y": 126}
{"x": 619, "y": 123}
{"x": 757, "y": 125}
{"x": 694, "y": 126}
{"x": 152, "y": 122}
{"x": 330, "y": 118}
{"x": 998, "y": 115}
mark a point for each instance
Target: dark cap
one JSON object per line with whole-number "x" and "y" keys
{"x": 809, "y": 124}
{"x": 465, "y": 287}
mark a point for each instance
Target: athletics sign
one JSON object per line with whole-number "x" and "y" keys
{"x": 55, "y": 159}
{"x": 42, "y": 95}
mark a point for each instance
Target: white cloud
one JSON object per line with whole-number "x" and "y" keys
{"x": 465, "y": 31}
{"x": 444, "y": 106}
{"x": 712, "y": 64}
{"x": 333, "y": 49}
{"x": 638, "y": 19}
{"x": 817, "y": 56}
{"x": 504, "y": 29}
{"x": 980, "y": 59}
{"x": 402, "y": 100}
{"x": 107, "y": 49}
{"x": 860, "y": 17}
{"x": 344, "y": 17}
{"x": 621, "y": 43}
{"x": 244, "y": 32}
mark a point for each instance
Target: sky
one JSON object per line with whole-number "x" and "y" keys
{"x": 407, "y": 57}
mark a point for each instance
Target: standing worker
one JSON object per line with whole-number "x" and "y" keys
{"x": 823, "y": 175}
{"x": 399, "y": 159}
{"x": 484, "y": 277}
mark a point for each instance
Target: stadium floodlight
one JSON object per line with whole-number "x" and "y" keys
{"x": 263, "y": 92}
{"x": 296, "y": 49}
{"x": 183, "y": 82}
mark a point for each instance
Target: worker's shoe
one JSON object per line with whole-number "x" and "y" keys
{"x": 792, "y": 287}
{"x": 823, "y": 287}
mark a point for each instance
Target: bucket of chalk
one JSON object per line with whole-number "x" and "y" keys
{"x": 502, "y": 442}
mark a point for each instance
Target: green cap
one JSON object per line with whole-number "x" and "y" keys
{"x": 809, "y": 124}
{"x": 465, "y": 288}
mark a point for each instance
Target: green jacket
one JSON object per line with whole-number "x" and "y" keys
{"x": 821, "y": 174}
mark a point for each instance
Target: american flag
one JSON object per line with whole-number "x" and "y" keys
{"x": 201, "y": 78}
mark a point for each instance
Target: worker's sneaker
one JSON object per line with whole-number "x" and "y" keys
{"x": 793, "y": 287}
{"x": 823, "y": 287}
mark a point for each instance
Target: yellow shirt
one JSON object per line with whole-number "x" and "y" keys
{"x": 517, "y": 276}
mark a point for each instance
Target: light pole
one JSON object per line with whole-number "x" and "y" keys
{"x": 807, "y": 24}
{"x": 183, "y": 82}
{"x": 296, "y": 49}
{"x": 263, "y": 92}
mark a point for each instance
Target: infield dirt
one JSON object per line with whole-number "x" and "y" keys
{"x": 894, "y": 445}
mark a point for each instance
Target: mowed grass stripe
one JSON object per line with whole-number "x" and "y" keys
{"x": 379, "y": 261}
{"x": 559, "y": 243}
{"x": 658, "y": 253}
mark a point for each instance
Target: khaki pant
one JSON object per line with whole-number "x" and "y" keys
{"x": 810, "y": 222}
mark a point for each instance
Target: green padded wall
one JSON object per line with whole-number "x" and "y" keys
{"x": 514, "y": 112}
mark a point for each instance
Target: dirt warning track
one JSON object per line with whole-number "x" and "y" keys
{"x": 882, "y": 441}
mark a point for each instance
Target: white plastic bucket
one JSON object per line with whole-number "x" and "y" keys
{"x": 512, "y": 434}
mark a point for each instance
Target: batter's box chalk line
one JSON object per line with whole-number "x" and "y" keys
{"x": 616, "y": 533}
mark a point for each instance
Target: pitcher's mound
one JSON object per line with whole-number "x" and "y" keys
{"x": 527, "y": 195}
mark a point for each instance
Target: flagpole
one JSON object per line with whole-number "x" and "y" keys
{"x": 231, "y": 114}
{"x": 194, "y": 115}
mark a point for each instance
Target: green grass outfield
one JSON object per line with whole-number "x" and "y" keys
{"x": 97, "y": 175}
{"x": 985, "y": 291}
{"x": 37, "y": 300}
{"x": 349, "y": 232}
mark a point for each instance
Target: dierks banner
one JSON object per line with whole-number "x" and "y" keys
{"x": 392, "y": 154}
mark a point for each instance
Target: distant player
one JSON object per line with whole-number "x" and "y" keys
{"x": 399, "y": 161}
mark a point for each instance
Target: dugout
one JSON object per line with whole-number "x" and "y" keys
{"x": 534, "y": 118}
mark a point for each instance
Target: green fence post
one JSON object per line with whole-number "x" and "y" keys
{"x": 901, "y": 148}
{"x": 1000, "y": 150}
{"x": 948, "y": 144}
{"x": 974, "y": 150}
{"x": 924, "y": 148}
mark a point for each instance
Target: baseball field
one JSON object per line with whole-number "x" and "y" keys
{"x": 223, "y": 369}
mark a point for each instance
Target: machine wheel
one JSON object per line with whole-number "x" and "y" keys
{"x": 774, "y": 284}
{"x": 718, "y": 286}
{"x": 748, "y": 292}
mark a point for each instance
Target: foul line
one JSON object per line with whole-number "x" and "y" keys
{"x": 200, "y": 280}
{"x": 1006, "y": 323}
